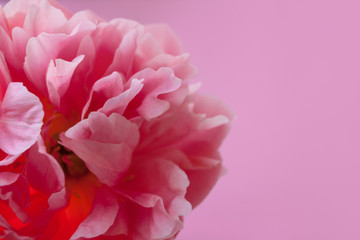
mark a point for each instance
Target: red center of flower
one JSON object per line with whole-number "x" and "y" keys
{"x": 72, "y": 165}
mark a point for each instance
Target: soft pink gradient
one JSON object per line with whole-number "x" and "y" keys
{"x": 291, "y": 72}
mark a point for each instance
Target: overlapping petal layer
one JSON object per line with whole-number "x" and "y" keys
{"x": 101, "y": 134}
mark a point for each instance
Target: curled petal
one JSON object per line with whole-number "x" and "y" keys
{"x": 102, "y": 90}
{"x": 41, "y": 165}
{"x": 156, "y": 83}
{"x": 104, "y": 143}
{"x": 150, "y": 219}
{"x": 42, "y": 49}
{"x": 120, "y": 103}
{"x": 101, "y": 218}
{"x": 158, "y": 187}
{"x": 58, "y": 77}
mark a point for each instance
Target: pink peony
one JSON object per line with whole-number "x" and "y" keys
{"x": 102, "y": 136}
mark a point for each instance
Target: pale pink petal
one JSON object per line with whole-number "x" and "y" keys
{"x": 101, "y": 218}
{"x": 20, "y": 119}
{"x": 58, "y": 77}
{"x": 43, "y": 18}
{"x": 39, "y": 52}
{"x": 3, "y": 21}
{"x": 16, "y": 10}
{"x": 45, "y": 47}
{"x": 81, "y": 17}
{"x": 108, "y": 151}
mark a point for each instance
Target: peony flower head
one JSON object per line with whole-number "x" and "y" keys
{"x": 102, "y": 136}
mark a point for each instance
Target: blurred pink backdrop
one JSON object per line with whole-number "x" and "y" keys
{"x": 290, "y": 70}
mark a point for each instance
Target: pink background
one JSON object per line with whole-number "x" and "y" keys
{"x": 290, "y": 70}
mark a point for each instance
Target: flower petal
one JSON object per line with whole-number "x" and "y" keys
{"x": 20, "y": 119}
{"x": 102, "y": 90}
{"x": 156, "y": 83}
{"x": 101, "y": 218}
{"x": 124, "y": 54}
{"x": 58, "y": 77}
{"x": 43, "y": 18}
{"x": 40, "y": 165}
{"x": 14, "y": 189}
{"x": 166, "y": 37}
{"x": 120, "y": 103}
{"x": 5, "y": 77}
{"x": 108, "y": 151}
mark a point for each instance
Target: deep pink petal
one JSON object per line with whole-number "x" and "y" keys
{"x": 124, "y": 54}
{"x": 101, "y": 218}
{"x": 155, "y": 83}
{"x": 5, "y": 78}
{"x": 9, "y": 159}
{"x": 161, "y": 178}
{"x": 121, "y": 223}
{"x": 120, "y": 103}
{"x": 15, "y": 189}
{"x": 107, "y": 39}
{"x": 102, "y": 90}
{"x": 149, "y": 219}
{"x": 40, "y": 165}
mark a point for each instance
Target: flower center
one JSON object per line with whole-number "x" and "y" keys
{"x": 72, "y": 165}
